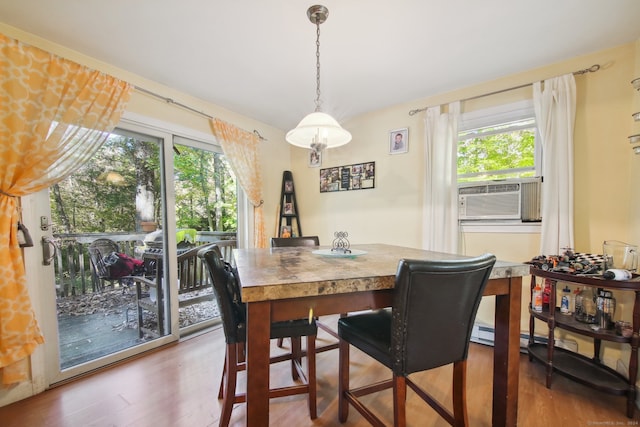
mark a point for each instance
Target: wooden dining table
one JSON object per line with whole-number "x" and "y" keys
{"x": 286, "y": 283}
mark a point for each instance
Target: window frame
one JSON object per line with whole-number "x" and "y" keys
{"x": 208, "y": 140}
{"x": 502, "y": 114}
{"x": 496, "y": 115}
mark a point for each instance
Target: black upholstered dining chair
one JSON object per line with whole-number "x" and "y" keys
{"x": 283, "y": 242}
{"x": 429, "y": 325}
{"x": 233, "y": 314}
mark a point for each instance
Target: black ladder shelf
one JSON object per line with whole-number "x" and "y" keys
{"x": 289, "y": 222}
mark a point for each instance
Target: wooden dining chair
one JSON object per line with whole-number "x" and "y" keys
{"x": 429, "y": 325}
{"x": 233, "y": 314}
{"x": 283, "y": 242}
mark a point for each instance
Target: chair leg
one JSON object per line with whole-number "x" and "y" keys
{"x": 399, "y": 401}
{"x": 224, "y": 373}
{"x": 280, "y": 342}
{"x": 343, "y": 380}
{"x": 311, "y": 374}
{"x": 231, "y": 364}
{"x": 459, "y": 394}
{"x": 241, "y": 353}
{"x": 296, "y": 356}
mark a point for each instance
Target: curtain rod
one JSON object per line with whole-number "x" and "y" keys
{"x": 186, "y": 107}
{"x": 591, "y": 69}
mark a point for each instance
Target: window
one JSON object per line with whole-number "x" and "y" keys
{"x": 498, "y": 143}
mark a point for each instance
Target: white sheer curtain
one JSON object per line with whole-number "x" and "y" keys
{"x": 440, "y": 230}
{"x": 555, "y": 107}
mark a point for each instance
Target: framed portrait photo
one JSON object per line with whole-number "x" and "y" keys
{"x": 288, "y": 186}
{"x": 288, "y": 208}
{"x": 315, "y": 158}
{"x": 399, "y": 141}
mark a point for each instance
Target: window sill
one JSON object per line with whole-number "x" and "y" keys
{"x": 497, "y": 226}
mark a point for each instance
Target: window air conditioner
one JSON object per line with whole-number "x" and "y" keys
{"x": 507, "y": 199}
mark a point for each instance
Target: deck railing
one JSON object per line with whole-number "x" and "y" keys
{"x": 73, "y": 269}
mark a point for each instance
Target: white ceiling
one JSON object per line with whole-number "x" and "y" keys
{"x": 257, "y": 57}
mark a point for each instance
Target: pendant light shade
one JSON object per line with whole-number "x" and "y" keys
{"x": 318, "y": 130}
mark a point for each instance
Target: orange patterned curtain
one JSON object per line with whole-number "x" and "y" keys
{"x": 54, "y": 115}
{"x": 242, "y": 151}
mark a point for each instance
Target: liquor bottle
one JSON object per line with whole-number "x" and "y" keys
{"x": 565, "y": 305}
{"x": 537, "y": 298}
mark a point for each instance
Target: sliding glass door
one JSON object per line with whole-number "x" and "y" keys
{"x": 113, "y": 237}
{"x": 106, "y": 240}
{"x": 206, "y": 206}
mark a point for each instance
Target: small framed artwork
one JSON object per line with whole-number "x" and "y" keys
{"x": 315, "y": 158}
{"x": 285, "y": 231}
{"x": 399, "y": 141}
{"x": 288, "y": 208}
{"x": 288, "y": 186}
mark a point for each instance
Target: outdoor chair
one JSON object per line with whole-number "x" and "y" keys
{"x": 109, "y": 267}
{"x": 233, "y": 313}
{"x": 193, "y": 279}
{"x": 429, "y": 325}
{"x": 283, "y": 242}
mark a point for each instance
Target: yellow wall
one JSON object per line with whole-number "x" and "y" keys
{"x": 606, "y": 201}
{"x": 275, "y": 152}
{"x": 392, "y": 211}
{"x": 634, "y": 211}
{"x": 606, "y": 170}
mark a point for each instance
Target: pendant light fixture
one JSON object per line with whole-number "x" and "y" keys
{"x": 318, "y": 130}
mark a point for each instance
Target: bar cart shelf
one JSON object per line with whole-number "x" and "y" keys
{"x": 590, "y": 372}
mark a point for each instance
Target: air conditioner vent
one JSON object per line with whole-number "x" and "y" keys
{"x": 503, "y": 188}
{"x": 476, "y": 189}
{"x": 509, "y": 199}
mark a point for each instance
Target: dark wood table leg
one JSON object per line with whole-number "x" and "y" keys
{"x": 258, "y": 327}
{"x": 507, "y": 355}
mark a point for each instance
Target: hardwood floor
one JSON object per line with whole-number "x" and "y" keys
{"x": 177, "y": 386}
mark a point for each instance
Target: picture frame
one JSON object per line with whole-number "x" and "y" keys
{"x": 358, "y": 176}
{"x": 315, "y": 158}
{"x": 285, "y": 231}
{"x": 399, "y": 141}
{"x": 288, "y": 208}
{"x": 288, "y": 186}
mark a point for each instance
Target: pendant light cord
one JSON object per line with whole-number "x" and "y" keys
{"x": 318, "y": 102}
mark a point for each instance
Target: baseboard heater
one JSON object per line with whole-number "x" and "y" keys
{"x": 484, "y": 334}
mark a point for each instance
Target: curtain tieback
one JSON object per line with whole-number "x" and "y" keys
{"x": 7, "y": 194}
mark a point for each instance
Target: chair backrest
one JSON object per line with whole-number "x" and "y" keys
{"x": 192, "y": 273}
{"x": 226, "y": 288}
{"x": 226, "y": 249}
{"x": 98, "y": 249}
{"x": 434, "y": 308}
{"x": 283, "y": 242}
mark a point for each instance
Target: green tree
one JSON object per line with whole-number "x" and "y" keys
{"x": 205, "y": 190}
{"x": 120, "y": 187}
{"x": 490, "y": 157}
